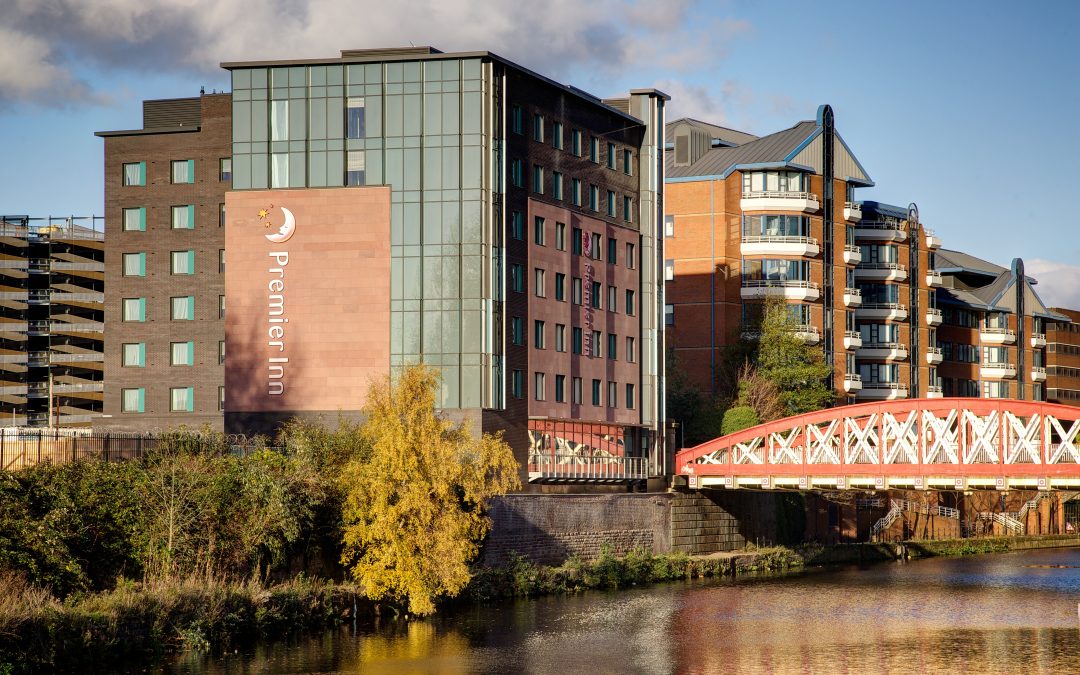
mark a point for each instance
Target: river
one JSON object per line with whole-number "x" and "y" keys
{"x": 1007, "y": 613}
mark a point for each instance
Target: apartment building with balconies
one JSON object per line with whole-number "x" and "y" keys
{"x": 1062, "y": 342}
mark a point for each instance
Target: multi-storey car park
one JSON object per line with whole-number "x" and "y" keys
{"x": 51, "y": 304}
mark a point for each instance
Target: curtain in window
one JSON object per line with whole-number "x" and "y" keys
{"x": 182, "y": 262}
{"x": 133, "y": 219}
{"x": 133, "y": 174}
{"x": 279, "y": 170}
{"x": 133, "y": 354}
{"x": 181, "y": 218}
{"x": 131, "y": 400}
{"x": 182, "y": 308}
{"x": 181, "y": 399}
{"x": 279, "y": 120}
{"x": 180, "y": 353}
{"x": 132, "y": 309}
{"x": 355, "y": 117}
{"x": 133, "y": 265}
{"x": 180, "y": 172}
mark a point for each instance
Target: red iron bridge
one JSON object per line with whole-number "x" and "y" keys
{"x": 938, "y": 443}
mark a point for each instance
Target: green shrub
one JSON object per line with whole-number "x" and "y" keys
{"x": 738, "y": 418}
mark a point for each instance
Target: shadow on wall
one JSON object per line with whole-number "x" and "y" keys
{"x": 247, "y": 380}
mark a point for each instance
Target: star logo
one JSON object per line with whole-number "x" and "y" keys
{"x": 264, "y": 214}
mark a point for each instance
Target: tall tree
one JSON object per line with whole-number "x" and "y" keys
{"x": 797, "y": 369}
{"x": 414, "y": 500}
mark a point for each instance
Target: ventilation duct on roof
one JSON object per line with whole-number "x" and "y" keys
{"x": 690, "y": 144}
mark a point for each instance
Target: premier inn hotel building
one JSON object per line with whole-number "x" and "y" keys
{"x": 389, "y": 207}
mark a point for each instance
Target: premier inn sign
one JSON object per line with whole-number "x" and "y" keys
{"x": 307, "y": 287}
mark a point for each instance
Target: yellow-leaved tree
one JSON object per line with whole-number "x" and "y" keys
{"x": 414, "y": 500}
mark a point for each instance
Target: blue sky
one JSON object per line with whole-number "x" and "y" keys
{"x": 966, "y": 108}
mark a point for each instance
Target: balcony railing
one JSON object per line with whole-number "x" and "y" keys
{"x": 779, "y": 245}
{"x": 774, "y": 200}
{"x": 933, "y": 316}
{"x": 1038, "y": 340}
{"x": 779, "y": 239}
{"x": 995, "y": 335}
{"x": 788, "y": 288}
{"x": 777, "y": 194}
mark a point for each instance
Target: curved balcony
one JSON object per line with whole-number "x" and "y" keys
{"x": 881, "y": 272}
{"x": 768, "y": 200}
{"x": 758, "y": 289}
{"x": 1038, "y": 340}
{"x": 852, "y": 339}
{"x": 890, "y": 311}
{"x": 852, "y": 211}
{"x": 1038, "y": 374}
{"x": 883, "y": 351}
{"x": 997, "y": 336}
{"x": 779, "y": 245}
{"x": 997, "y": 371}
{"x": 932, "y": 240}
{"x": 933, "y": 355}
{"x": 935, "y": 391}
{"x": 808, "y": 334}
{"x": 934, "y": 279}
{"x": 880, "y": 230}
{"x": 883, "y": 391}
{"x": 852, "y": 297}
{"x": 852, "y": 254}
{"x": 933, "y": 317}
{"x": 852, "y": 382}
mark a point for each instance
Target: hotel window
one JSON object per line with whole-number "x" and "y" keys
{"x": 183, "y": 171}
{"x": 221, "y": 261}
{"x": 221, "y": 215}
{"x": 538, "y": 335}
{"x": 628, "y": 162}
{"x": 538, "y": 128}
{"x": 539, "y": 287}
{"x": 613, "y": 394}
{"x": 560, "y": 337}
{"x": 539, "y": 385}
{"x": 612, "y": 299}
{"x": 517, "y": 330}
{"x": 576, "y": 347}
{"x": 517, "y": 384}
{"x": 594, "y": 198}
{"x": 556, "y": 185}
{"x": 221, "y": 398}
{"x": 575, "y": 191}
{"x": 134, "y": 309}
{"x": 669, "y": 226}
{"x": 182, "y": 262}
{"x": 597, "y": 241}
{"x": 181, "y": 399}
{"x": 539, "y": 232}
{"x": 279, "y": 120}
{"x": 560, "y": 236}
{"x": 669, "y": 270}
{"x": 517, "y": 277}
{"x": 576, "y": 384}
{"x": 517, "y": 225}
{"x": 612, "y": 250}
{"x": 135, "y": 174}
{"x": 631, "y": 261}
{"x": 133, "y": 355}
{"x": 538, "y": 179}
{"x": 595, "y": 348}
{"x": 669, "y": 315}
{"x": 630, "y": 356}
{"x": 221, "y": 306}
{"x": 557, "y": 135}
{"x": 577, "y": 241}
{"x": 560, "y": 286}
{"x": 135, "y": 220}
{"x": 279, "y": 170}
{"x": 221, "y": 352}
{"x": 575, "y": 142}
{"x": 355, "y": 167}
{"x": 628, "y": 209}
{"x": 225, "y": 169}
{"x": 182, "y": 354}
{"x": 355, "y": 117}
{"x": 183, "y": 217}
{"x": 611, "y": 155}
{"x": 596, "y": 392}
{"x": 560, "y": 389}
{"x": 134, "y": 264}
{"x": 630, "y": 399}
{"x": 595, "y": 298}
{"x": 183, "y": 308}
{"x": 575, "y": 290}
{"x": 517, "y": 172}
{"x": 611, "y": 203}
{"x": 594, "y": 150}
{"x": 516, "y": 123}
{"x": 612, "y": 346}
{"x": 631, "y": 305}
{"x": 132, "y": 400}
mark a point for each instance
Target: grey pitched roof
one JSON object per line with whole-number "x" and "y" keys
{"x": 774, "y": 148}
{"x": 729, "y": 136}
{"x": 958, "y": 261}
{"x": 996, "y": 295}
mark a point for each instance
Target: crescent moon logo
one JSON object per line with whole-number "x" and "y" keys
{"x": 286, "y": 231}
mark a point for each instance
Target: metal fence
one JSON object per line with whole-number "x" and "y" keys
{"x": 24, "y": 447}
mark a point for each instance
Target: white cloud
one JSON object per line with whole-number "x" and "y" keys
{"x": 44, "y": 42}
{"x": 1059, "y": 283}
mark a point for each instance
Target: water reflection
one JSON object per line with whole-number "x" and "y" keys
{"x": 988, "y": 614}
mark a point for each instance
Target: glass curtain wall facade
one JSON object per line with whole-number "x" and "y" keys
{"x": 428, "y": 129}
